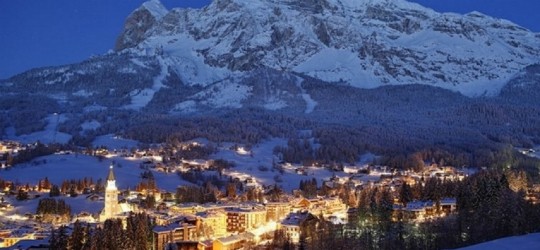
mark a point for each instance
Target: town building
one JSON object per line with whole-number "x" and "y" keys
{"x": 12, "y": 237}
{"x": 245, "y": 219}
{"x": 276, "y": 211}
{"x": 234, "y": 242}
{"x": 292, "y": 225}
{"x": 184, "y": 229}
{"x": 214, "y": 223}
{"x": 448, "y": 205}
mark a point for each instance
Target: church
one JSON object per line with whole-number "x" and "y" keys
{"x": 112, "y": 208}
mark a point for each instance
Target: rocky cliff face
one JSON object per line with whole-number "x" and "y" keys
{"x": 139, "y": 23}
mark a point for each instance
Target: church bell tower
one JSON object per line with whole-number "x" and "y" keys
{"x": 111, "y": 209}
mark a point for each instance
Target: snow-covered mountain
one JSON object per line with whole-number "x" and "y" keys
{"x": 363, "y": 43}
{"x": 370, "y": 64}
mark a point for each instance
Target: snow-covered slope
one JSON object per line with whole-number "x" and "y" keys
{"x": 364, "y": 43}
{"x": 523, "y": 242}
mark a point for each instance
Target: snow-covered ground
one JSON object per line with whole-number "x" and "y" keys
{"x": 49, "y": 135}
{"x": 257, "y": 164}
{"x": 524, "y": 242}
{"x": 310, "y": 103}
{"x": 90, "y": 125}
{"x": 78, "y": 204}
{"x": 141, "y": 98}
{"x": 536, "y": 152}
{"x": 114, "y": 142}
{"x": 76, "y": 166}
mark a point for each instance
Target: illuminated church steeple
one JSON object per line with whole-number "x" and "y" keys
{"x": 111, "y": 209}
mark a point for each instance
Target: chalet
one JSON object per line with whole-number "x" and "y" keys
{"x": 300, "y": 204}
{"x": 419, "y": 210}
{"x": 448, "y": 205}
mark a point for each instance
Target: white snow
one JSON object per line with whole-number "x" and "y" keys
{"x": 474, "y": 62}
{"x": 274, "y": 103}
{"x": 114, "y": 142}
{"x": 523, "y": 242}
{"x": 141, "y": 98}
{"x": 127, "y": 70}
{"x": 226, "y": 94}
{"x": 138, "y": 62}
{"x": 94, "y": 107}
{"x": 185, "y": 107}
{"x": 83, "y": 93}
{"x": 247, "y": 166}
{"x": 49, "y": 135}
{"x": 181, "y": 56}
{"x": 155, "y": 8}
{"x": 90, "y": 125}
{"x": 310, "y": 103}
{"x": 78, "y": 204}
{"x": 335, "y": 65}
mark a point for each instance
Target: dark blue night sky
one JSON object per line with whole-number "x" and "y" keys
{"x": 35, "y": 33}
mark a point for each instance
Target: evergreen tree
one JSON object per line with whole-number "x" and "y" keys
{"x": 22, "y": 195}
{"x": 405, "y": 194}
{"x": 54, "y": 192}
{"x": 59, "y": 238}
{"x": 78, "y": 237}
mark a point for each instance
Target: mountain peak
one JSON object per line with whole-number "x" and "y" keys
{"x": 156, "y": 8}
{"x": 139, "y": 22}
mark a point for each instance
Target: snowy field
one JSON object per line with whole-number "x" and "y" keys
{"x": 49, "y": 135}
{"x": 75, "y": 166}
{"x": 78, "y": 204}
{"x": 114, "y": 142}
{"x": 248, "y": 163}
{"x": 524, "y": 242}
{"x": 536, "y": 153}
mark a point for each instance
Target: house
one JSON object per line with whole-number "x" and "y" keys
{"x": 418, "y": 210}
{"x": 334, "y": 205}
{"x": 300, "y": 204}
{"x": 184, "y": 229}
{"x": 38, "y": 244}
{"x": 12, "y": 237}
{"x": 293, "y": 223}
{"x": 448, "y": 205}
{"x": 234, "y": 242}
